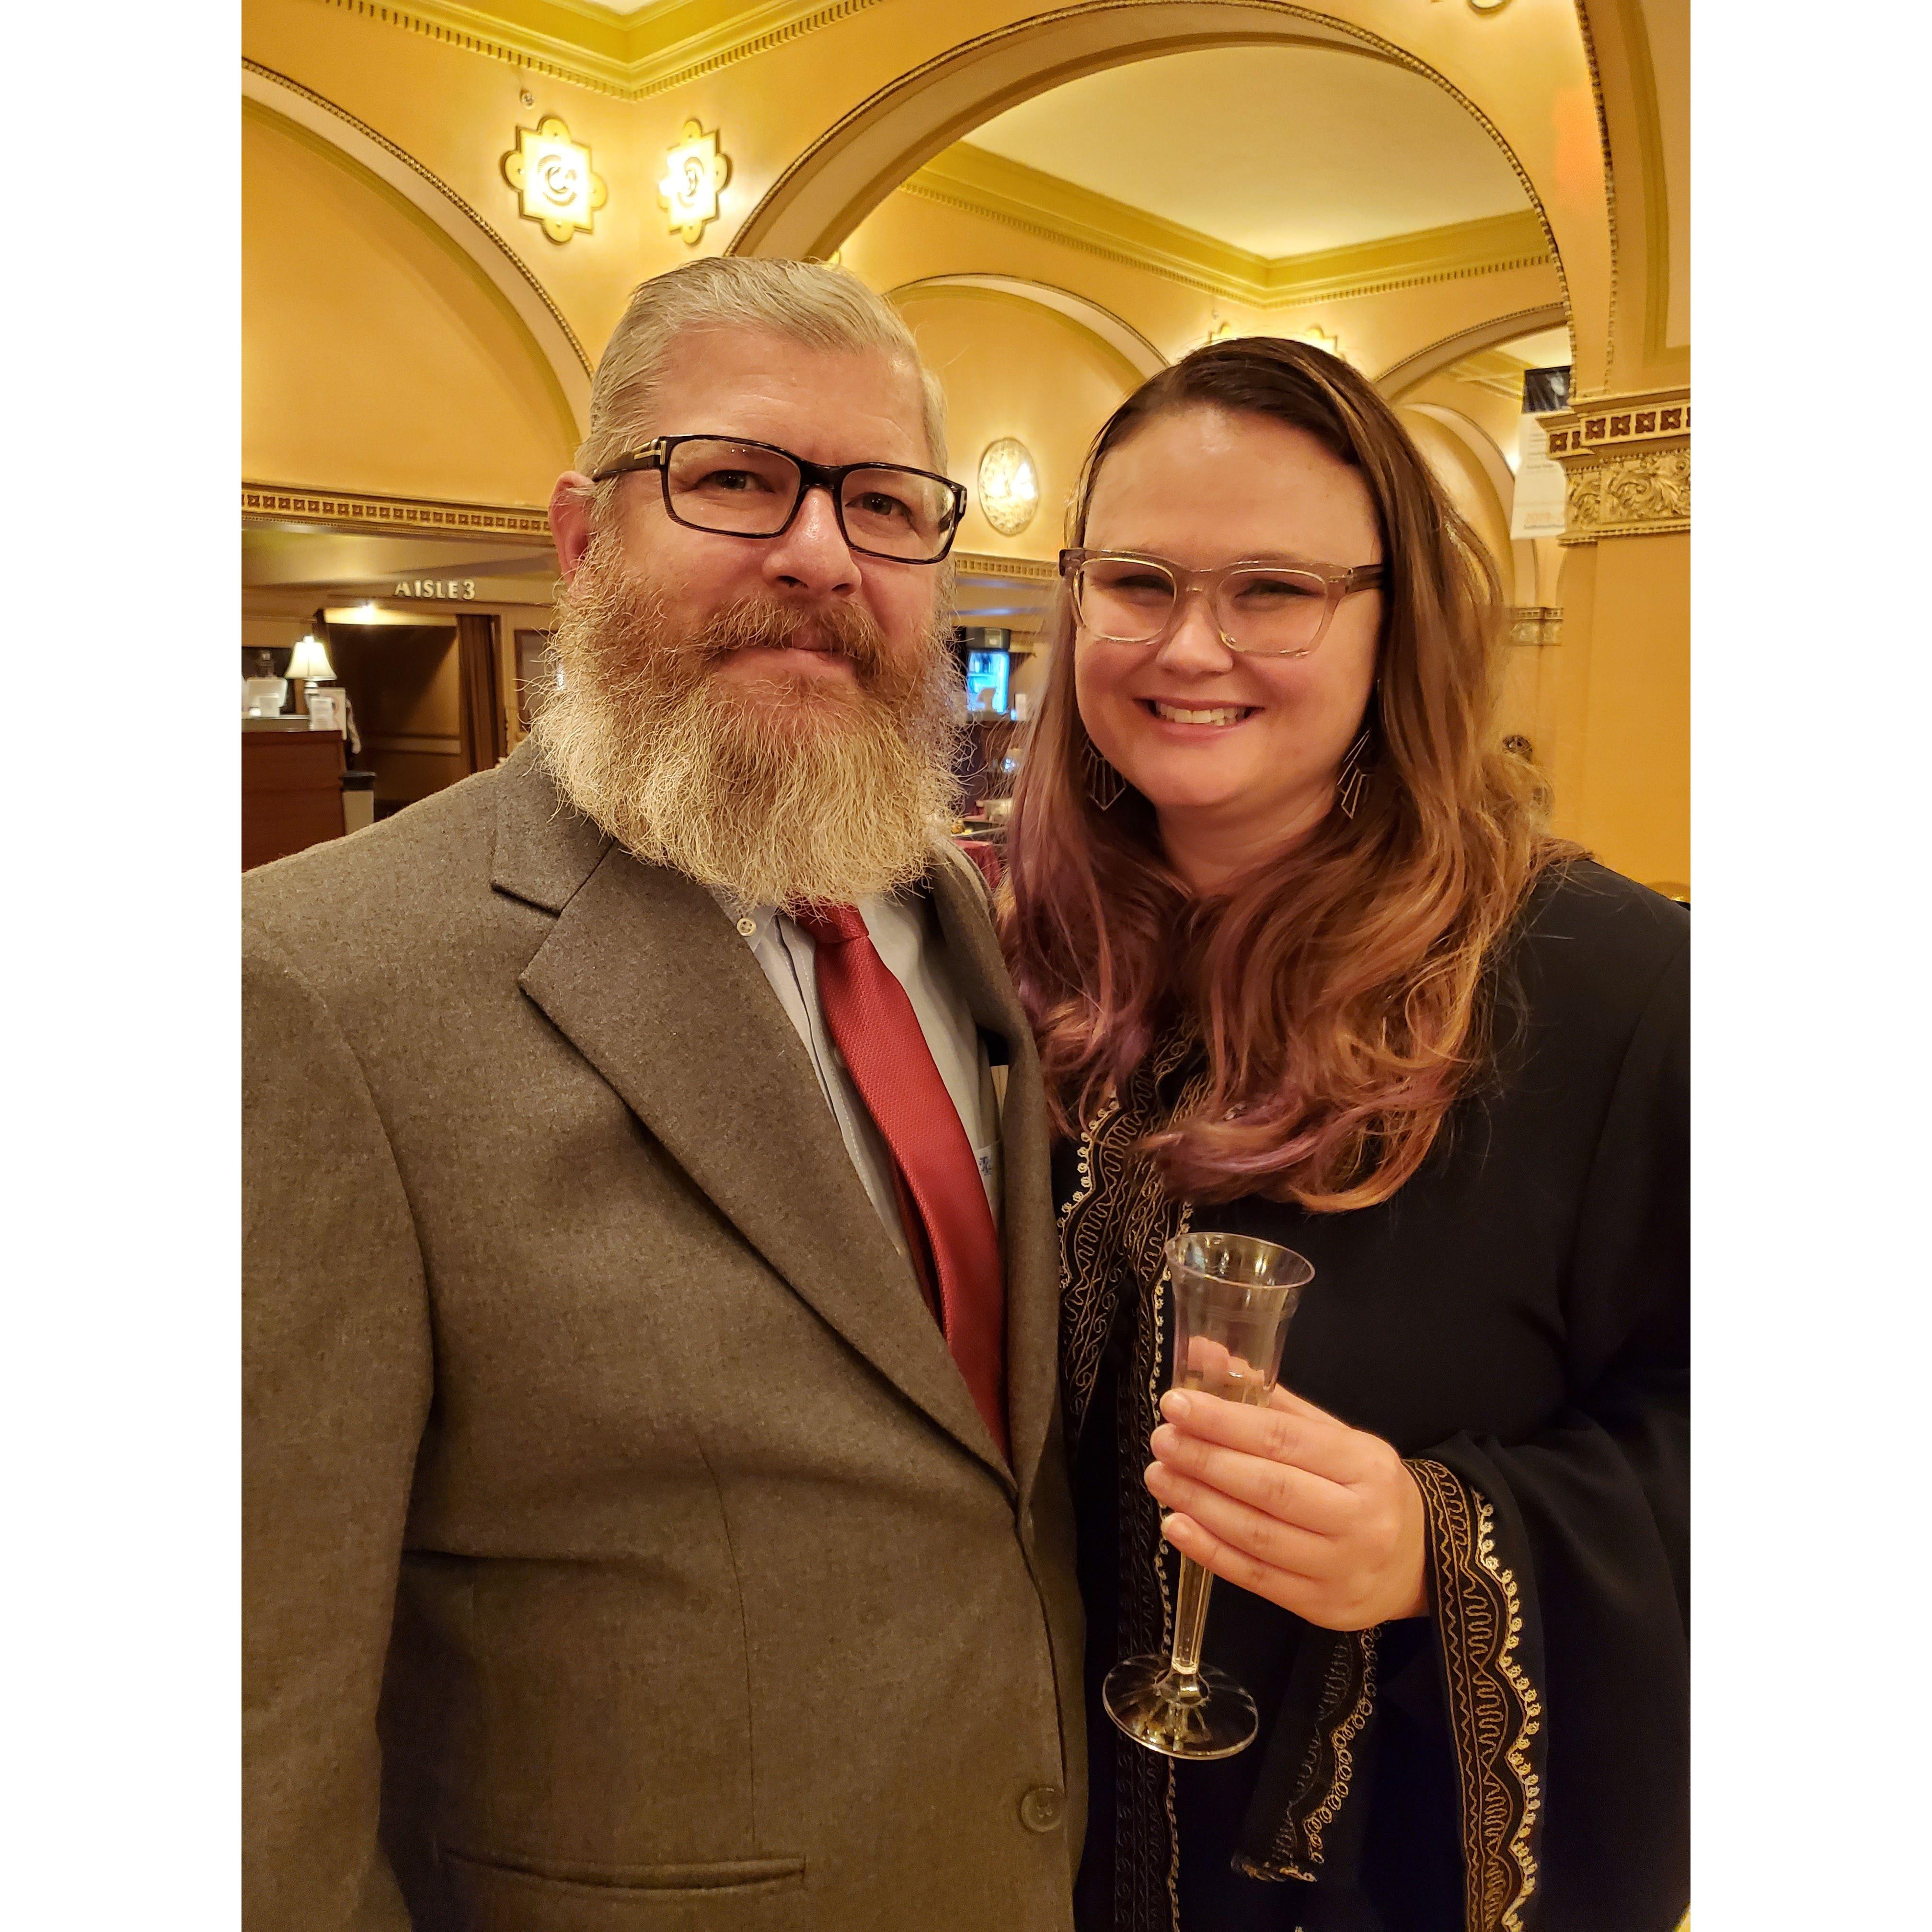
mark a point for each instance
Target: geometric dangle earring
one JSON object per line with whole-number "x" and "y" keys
{"x": 1354, "y": 774}
{"x": 1104, "y": 785}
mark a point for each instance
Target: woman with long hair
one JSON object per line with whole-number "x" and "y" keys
{"x": 1303, "y": 964}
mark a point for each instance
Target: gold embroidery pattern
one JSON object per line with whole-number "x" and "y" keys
{"x": 1496, "y": 1710}
{"x": 1112, "y": 1233}
{"x": 1115, "y": 1213}
{"x": 1164, "y": 1554}
{"x": 1348, "y": 1700}
{"x": 1353, "y": 1666}
{"x": 1084, "y": 1304}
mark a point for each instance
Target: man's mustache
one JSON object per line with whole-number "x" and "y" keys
{"x": 763, "y": 623}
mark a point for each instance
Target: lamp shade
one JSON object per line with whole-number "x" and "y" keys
{"x": 311, "y": 660}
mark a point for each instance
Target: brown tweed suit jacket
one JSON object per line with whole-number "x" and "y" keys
{"x": 623, "y": 1548}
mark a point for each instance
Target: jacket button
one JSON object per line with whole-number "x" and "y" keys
{"x": 1042, "y": 1809}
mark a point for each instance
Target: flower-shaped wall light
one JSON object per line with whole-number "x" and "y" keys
{"x": 551, "y": 174}
{"x": 694, "y": 174}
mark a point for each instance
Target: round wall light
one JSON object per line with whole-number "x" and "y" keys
{"x": 1009, "y": 486}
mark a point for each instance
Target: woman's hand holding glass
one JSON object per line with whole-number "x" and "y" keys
{"x": 1289, "y": 1502}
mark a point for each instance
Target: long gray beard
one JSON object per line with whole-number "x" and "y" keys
{"x": 776, "y": 792}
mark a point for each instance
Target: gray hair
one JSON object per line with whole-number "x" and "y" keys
{"x": 822, "y": 307}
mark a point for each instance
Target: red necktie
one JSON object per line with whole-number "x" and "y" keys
{"x": 950, "y": 1227}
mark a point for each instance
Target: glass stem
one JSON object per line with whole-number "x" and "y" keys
{"x": 1190, "y": 1618}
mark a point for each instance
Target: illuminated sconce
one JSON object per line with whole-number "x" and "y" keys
{"x": 1009, "y": 486}
{"x": 1320, "y": 339}
{"x": 694, "y": 176}
{"x": 1220, "y": 330}
{"x": 551, "y": 174}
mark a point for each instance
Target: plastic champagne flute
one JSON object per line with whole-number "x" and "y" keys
{"x": 1233, "y": 1296}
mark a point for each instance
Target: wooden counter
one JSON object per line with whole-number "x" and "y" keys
{"x": 291, "y": 788}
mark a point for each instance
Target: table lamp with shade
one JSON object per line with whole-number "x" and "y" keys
{"x": 310, "y": 664}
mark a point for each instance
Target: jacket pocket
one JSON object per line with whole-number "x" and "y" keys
{"x": 502, "y": 1892}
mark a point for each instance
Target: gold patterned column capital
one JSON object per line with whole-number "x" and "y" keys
{"x": 1627, "y": 464}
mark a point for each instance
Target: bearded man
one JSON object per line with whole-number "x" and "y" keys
{"x": 654, "y": 1513}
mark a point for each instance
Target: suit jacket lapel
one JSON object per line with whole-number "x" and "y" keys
{"x": 1032, "y": 1242}
{"x": 645, "y": 976}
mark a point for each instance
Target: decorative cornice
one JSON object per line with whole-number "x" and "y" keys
{"x": 1451, "y": 253}
{"x": 647, "y": 52}
{"x": 1021, "y": 569}
{"x": 704, "y": 54}
{"x": 1645, "y": 417}
{"x": 416, "y": 516}
{"x": 970, "y": 179}
{"x": 477, "y": 33}
{"x": 1626, "y": 460}
{"x": 926, "y": 190}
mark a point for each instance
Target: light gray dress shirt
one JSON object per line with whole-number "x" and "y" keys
{"x": 905, "y": 934}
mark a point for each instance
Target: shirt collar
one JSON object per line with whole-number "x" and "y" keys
{"x": 762, "y": 918}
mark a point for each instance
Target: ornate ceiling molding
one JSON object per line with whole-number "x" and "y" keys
{"x": 632, "y": 56}
{"x": 976, "y": 182}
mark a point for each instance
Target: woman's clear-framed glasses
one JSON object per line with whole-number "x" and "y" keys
{"x": 742, "y": 489}
{"x": 1261, "y": 608}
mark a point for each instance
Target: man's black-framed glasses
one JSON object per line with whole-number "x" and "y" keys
{"x": 742, "y": 489}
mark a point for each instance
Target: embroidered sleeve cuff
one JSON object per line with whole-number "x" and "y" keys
{"x": 1297, "y": 1844}
{"x": 1495, "y": 1711}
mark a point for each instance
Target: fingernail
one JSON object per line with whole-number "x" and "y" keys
{"x": 1176, "y": 1406}
{"x": 1164, "y": 1439}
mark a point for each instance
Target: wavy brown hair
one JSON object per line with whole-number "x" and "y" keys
{"x": 1339, "y": 989}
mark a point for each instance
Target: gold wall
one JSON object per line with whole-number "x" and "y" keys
{"x": 375, "y": 356}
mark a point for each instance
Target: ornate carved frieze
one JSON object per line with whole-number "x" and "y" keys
{"x": 1626, "y": 463}
{"x": 354, "y": 510}
{"x": 1016, "y": 569}
{"x": 1629, "y": 496}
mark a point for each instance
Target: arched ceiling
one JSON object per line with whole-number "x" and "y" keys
{"x": 1277, "y": 150}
